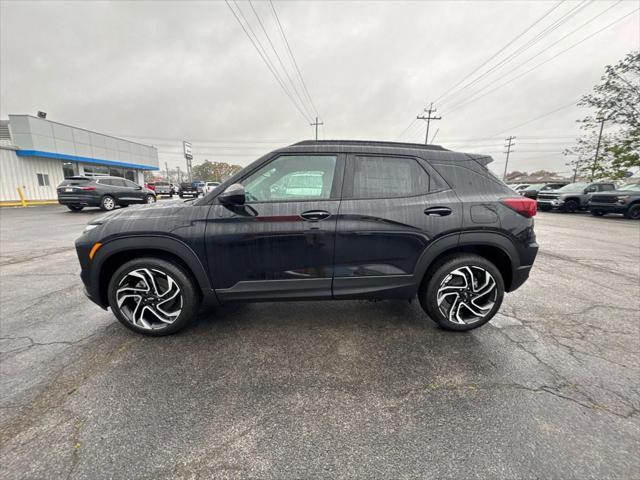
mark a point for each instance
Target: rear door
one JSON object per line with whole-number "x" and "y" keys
{"x": 280, "y": 244}
{"x": 392, "y": 208}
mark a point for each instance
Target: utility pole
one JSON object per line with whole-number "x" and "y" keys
{"x": 428, "y": 118}
{"x": 508, "y": 152}
{"x": 166, "y": 167}
{"x": 316, "y": 123}
{"x": 594, "y": 165}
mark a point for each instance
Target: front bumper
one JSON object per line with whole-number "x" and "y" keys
{"x": 551, "y": 203}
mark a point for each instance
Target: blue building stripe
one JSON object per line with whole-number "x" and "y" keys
{"x": 75, "y": 158}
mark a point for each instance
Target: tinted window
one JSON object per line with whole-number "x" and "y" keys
{"x": 130, "y": 184}
{"x": 295, "y": 177}
{"x": 606, "y": 187}
{"x": 388, "y": 177}
{"x": 75, "y": 181}
{"x": 105, "y": 181}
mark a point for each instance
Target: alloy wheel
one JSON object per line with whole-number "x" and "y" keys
{"x": 150, "y": 199}
{"x": 108, "y": 203}
{"x": 467, "y": 295}
{"x": 149, "y": 298}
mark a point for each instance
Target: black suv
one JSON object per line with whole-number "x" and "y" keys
{"x": 320, "y": 220}
{"x": 104, "y": 192}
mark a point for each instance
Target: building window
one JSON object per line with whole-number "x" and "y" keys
{"x": 130, "y": 175}
{"x": 43, "y": 179}
{"x": 116, "y": 172}
{"x": 69, "y": 169}
{"x": 95, "y": 171}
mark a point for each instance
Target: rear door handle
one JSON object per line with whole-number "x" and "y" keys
{"x": 439, "y": 211}
{"x": 315, "y": 215}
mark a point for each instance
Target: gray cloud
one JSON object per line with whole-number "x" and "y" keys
{"x": 169, "y": 70}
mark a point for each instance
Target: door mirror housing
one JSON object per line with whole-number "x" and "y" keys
{"x": 233, "y": 195}
{"x": 138, "y": 187}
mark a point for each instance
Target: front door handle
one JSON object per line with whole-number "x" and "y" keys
{"x": 315, "y": 215}
{"x": 439, "y": 211}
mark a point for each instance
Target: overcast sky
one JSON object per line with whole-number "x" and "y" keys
{"x": 159, "y": 72}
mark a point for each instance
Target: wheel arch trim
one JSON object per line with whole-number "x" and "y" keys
{"x": 164, "y": 243}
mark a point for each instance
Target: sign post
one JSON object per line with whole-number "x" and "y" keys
{"x": 186, "y": 146}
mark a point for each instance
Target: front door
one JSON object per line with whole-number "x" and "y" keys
{"x": 280, "y": 244}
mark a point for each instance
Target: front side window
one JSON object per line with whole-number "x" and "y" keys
{"x": 388, "y": 177}
{"x": 292, "y": 177}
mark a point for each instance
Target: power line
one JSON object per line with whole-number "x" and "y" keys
{"x": 293, "y": 58}
{"x": 547, "y": 30}
{"x": 499, "y": 51}
{"x": 286, "y": 72}
{"x": 472, "y": 99}
{"x": 265, "y": 60}
{"x": 574, "y": 103}
{"x": 543, "y": 50}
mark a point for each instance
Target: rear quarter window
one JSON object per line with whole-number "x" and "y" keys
{"x": 466, "y": 175}
{"x": 388, "y": 177}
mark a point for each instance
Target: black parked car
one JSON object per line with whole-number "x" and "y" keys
{"x": 189, "y": 189}
{"x": 104, "y": 192}
{"x": 320, "y": 220}
{"x": 532, "y": 190}
{"x": 625, "y": 200}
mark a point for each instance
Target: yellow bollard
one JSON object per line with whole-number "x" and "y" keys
{"x": 22, "y": 200}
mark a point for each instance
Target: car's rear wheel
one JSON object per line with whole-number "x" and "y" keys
{"x": 462, "y": 292}
{"x": 107, "y": 203}
{"x": 153, "y": 296}
{"x": 633, "y": 212}
{"x": 570, "y": 206}
{"x": 597, "y": 213}
{"x": 75, "y": 208}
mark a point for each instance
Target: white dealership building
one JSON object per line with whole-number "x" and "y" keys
{"x": 36, "y": 154}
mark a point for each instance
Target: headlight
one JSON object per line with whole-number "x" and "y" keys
{"x": 90, "y": 227}
{"x": 623, "y": 198}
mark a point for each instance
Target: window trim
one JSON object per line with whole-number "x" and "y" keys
{"x": 338, "y": 176}
{"x": 349, "y": 180}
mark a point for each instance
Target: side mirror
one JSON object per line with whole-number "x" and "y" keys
{"x": 233, "y": 195}
{"x": 138, "y": 187}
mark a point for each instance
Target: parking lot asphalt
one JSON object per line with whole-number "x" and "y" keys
{"x": 549, "y": 389}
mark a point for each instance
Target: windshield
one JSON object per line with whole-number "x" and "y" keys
{"x": 535, "y": 186}
{"x": 632, "y": 186}
{"x": 573, "y": 187}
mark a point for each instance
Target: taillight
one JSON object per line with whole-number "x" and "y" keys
{"x": 524, "y": 206}
{"x": 87, "y": 188}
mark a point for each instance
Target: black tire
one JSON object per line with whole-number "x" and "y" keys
{"x": 107, "y": 203}
{"x": 570, "y": 206}
{"x": 633, "y": 212}
{"x": 597, "y": 213}
{"x": 435, "y": 279}
{"x": 181, "y": 196}
{"x": 150, "y": 199}
{"x": 171, "y": 195}
{"x": 188, "y": 291}
{"x": 75, "y": 208}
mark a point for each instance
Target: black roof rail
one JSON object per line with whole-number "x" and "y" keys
{"x": 372, "y": 143}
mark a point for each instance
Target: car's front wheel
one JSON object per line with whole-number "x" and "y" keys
{"x": 462, "y": 292}
{"x": 597, "y": 213}
{"x": 75, "y": 208}
{"x": 153, "y": 296}
{"x": 633, "y": 212}
{"x": 570, "y": 206}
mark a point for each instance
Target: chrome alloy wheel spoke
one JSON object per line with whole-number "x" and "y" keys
{"x": 467, "y": 295}
{"x": 149, "y": 298}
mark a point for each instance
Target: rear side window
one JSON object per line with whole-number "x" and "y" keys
{"x": 388, "y": 177}
{"x": 606, "y": 187}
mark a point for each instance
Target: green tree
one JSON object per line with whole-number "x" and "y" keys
{"x": 615, "y": 100}
{"x": 214, "y": 171}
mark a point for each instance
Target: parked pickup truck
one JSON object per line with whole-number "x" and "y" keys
{"x": 625, "y": 200}
{"x": 161, "y": 188}
{"x": 572, "y": 197}
{"x": 189, "y": 189}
